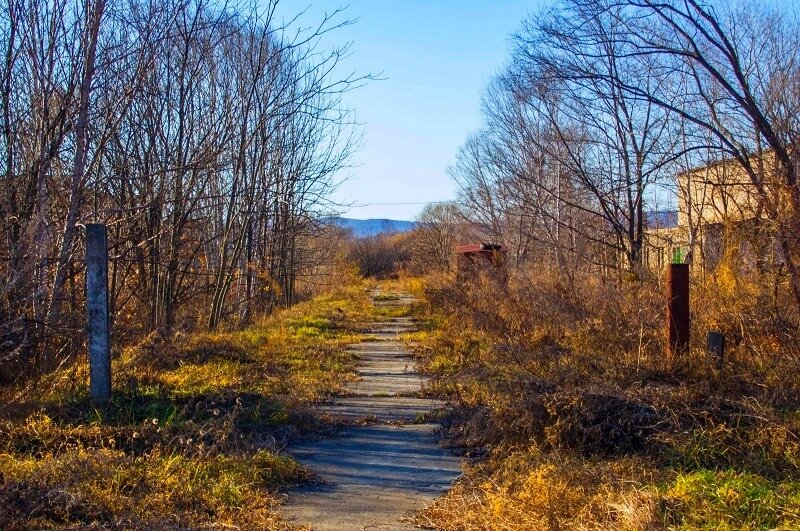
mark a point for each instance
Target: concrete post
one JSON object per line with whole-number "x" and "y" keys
{"x": 678, "y": 319}
{"x": 97, "y": 311}
{"x": 715, "y": 345}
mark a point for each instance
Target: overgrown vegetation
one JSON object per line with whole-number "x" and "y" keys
{"x": 194, "y": 433}
{"x": 381, "y": 256}
{"x": 607, "y": 113}
{"x": 578, "y": 420}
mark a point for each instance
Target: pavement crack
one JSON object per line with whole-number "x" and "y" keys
{"x": 386, "y": 463}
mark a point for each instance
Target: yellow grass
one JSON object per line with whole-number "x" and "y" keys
{"x": 532, "y": 371}
{"x": 192, "y": 435}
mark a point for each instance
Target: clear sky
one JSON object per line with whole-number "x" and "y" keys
{"x": 436, "y": 56}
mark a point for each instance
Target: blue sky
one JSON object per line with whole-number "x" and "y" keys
{"x": 436, "y": 57}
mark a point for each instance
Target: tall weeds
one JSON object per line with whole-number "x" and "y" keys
{"x": 554, "y": 377}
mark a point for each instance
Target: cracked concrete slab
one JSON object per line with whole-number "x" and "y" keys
{"x": 376, "y": 476}
{"x": 382, "y": 408}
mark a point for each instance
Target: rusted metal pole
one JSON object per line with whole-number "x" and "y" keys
{"x": 97, "y": 311}
{"x": 715, "y": 345}
{"x": 678, "y": 318}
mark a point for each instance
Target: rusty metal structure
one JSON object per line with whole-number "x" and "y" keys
{"x": 678, "y": 317}
{"x": 475, "y": 256}
{"x": 491, "y": 252}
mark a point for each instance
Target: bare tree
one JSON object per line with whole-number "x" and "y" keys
{"x": 206, "y": 136}
{"x": 571, "y": 67}
{"x": 734, "y": 71}
{"x": 436, "y": 235}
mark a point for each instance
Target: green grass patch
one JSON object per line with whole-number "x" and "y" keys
{"x": 384, "y": 297}
{"x": 730, "y": 499}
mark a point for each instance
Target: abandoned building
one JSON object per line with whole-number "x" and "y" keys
{"x": 719, "y": 214}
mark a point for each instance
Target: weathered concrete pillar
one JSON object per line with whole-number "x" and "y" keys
{"x": 678, "y": 319}
{"x": 97, "y": 311}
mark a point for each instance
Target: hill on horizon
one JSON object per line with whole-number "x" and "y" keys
{"x": 372, "y": 227}
{"x": 363, "y": 228}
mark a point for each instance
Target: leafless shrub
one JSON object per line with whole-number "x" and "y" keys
{"x": 380, "y": 256}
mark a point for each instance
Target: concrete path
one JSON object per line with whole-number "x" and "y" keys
{"x": 376, "y": 475}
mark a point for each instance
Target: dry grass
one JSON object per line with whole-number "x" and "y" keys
{"x": 530, "y": 489}
{"x": 579, "y": 422}
{"x": 193, "y": 435}
{"x": 112, "y": 489}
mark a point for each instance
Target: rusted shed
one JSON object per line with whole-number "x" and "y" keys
{"x": 488, "y": 251}
{"x": 474, "y": 256}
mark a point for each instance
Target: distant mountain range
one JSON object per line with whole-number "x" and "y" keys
{"x": 371, "y": 227}
{"x": 661, "y": 219}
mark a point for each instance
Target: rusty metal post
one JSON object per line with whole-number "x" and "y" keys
{"x": 715, "y": 345}
{"x": 97, "y": 311}
{"x": 678, "y": 319}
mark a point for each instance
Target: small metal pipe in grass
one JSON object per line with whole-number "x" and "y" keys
{"x": 715, "y": 346}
